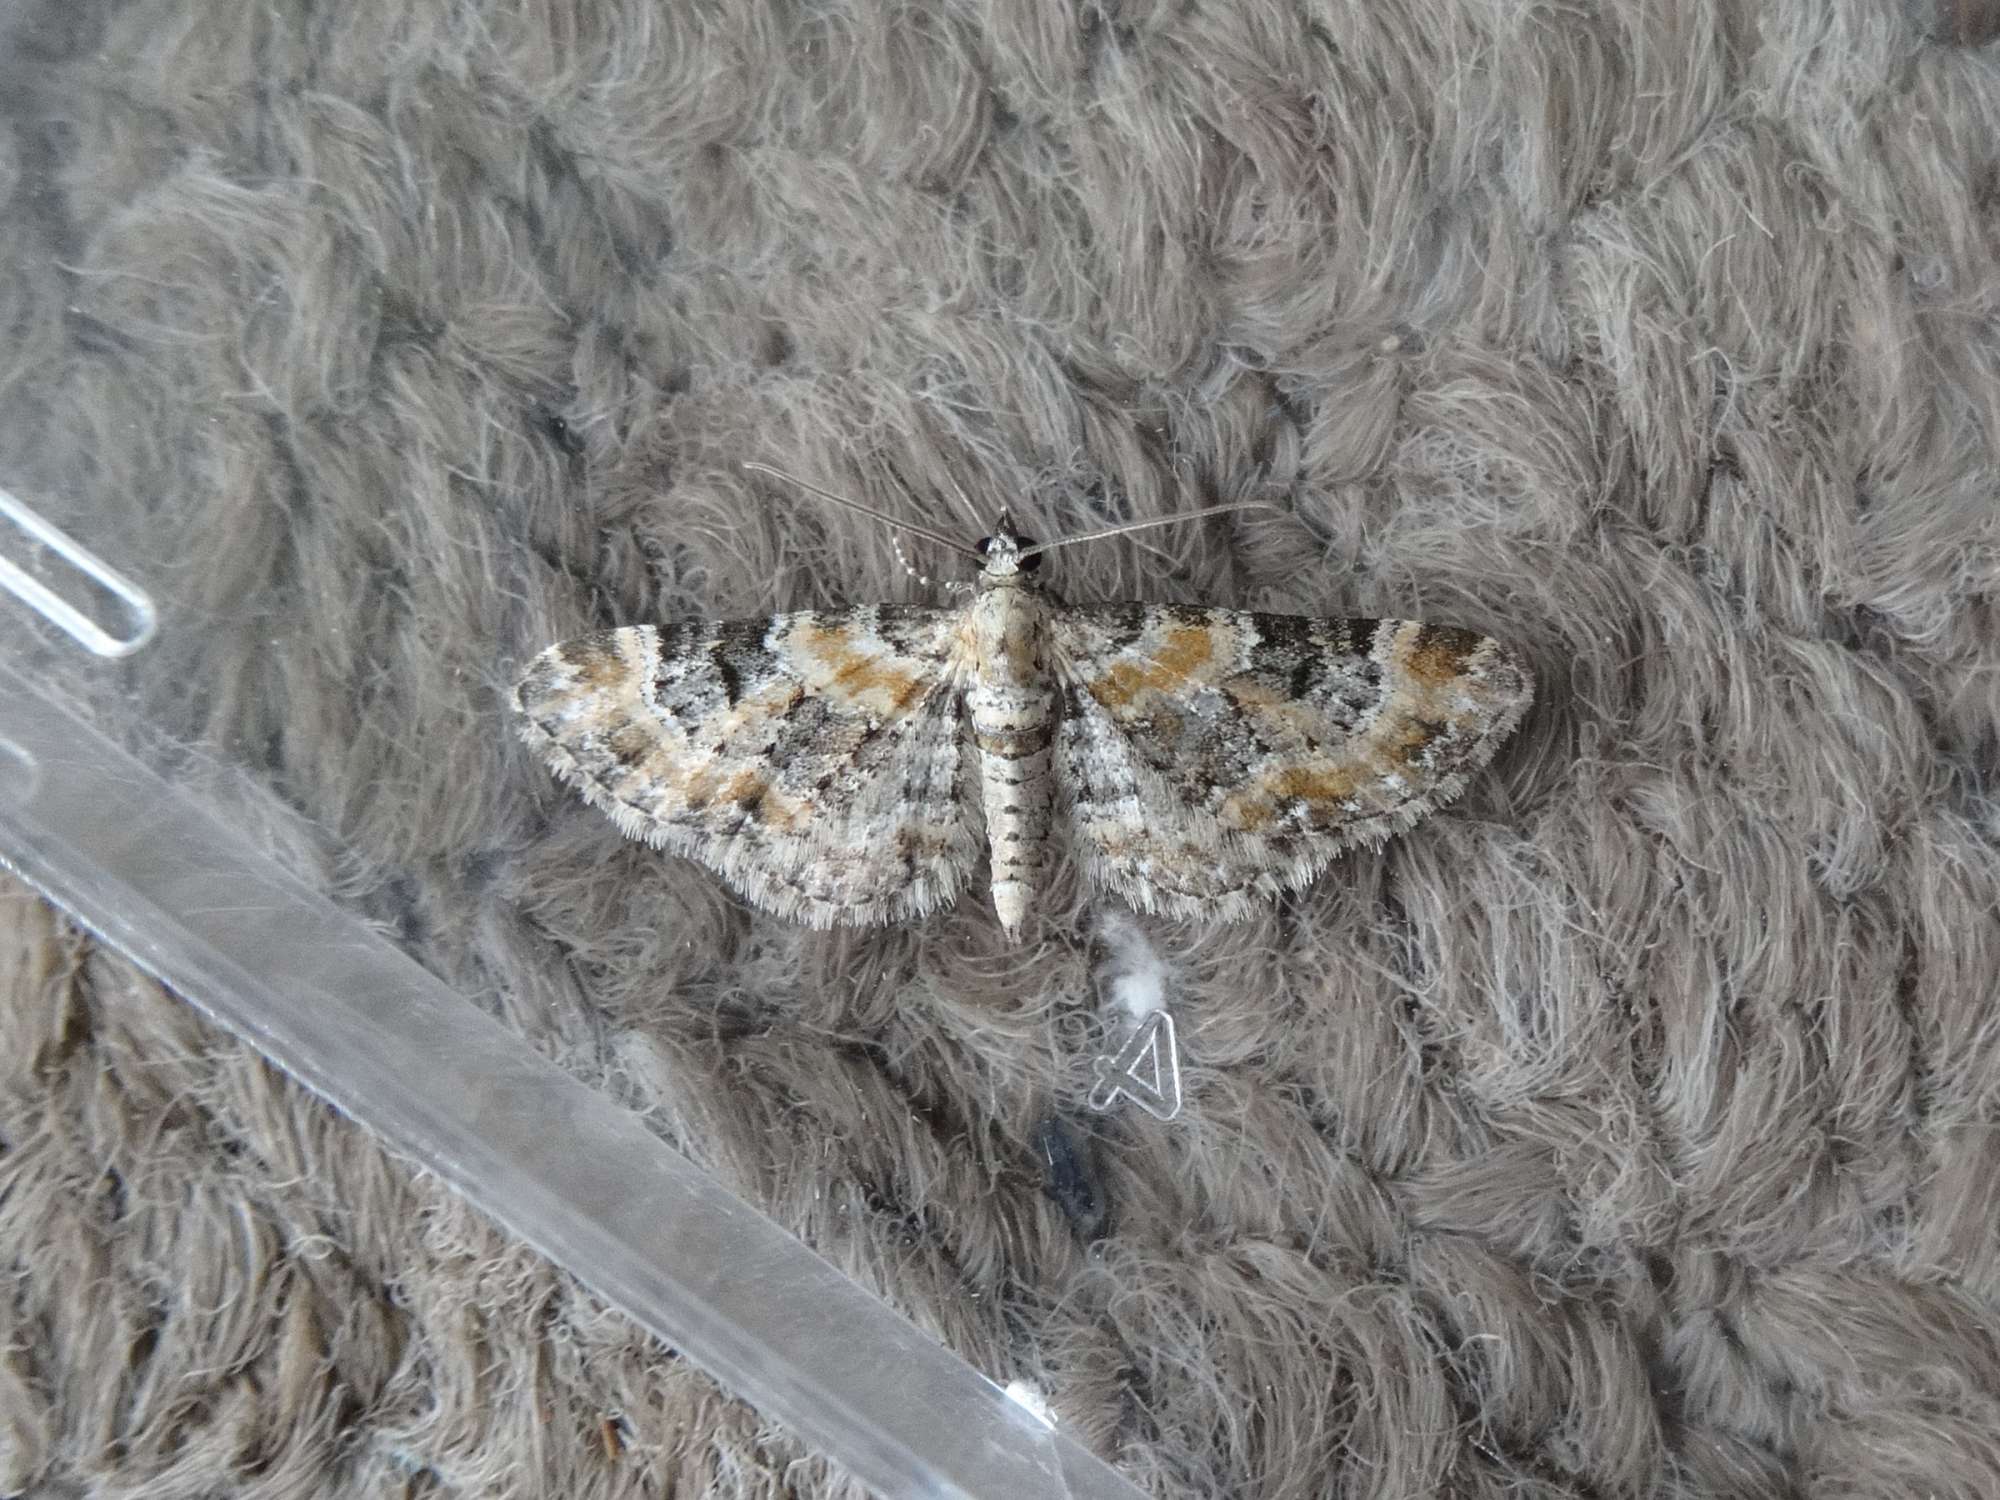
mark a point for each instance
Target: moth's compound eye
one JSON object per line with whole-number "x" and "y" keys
{"x": 1033, "y": 561}
{"x": 985, "y": 545}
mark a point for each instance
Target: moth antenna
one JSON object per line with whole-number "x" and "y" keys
{"x": 902, "y": 557}
{"x": 1193, "y": 515}
{"x": 855, "y": 505}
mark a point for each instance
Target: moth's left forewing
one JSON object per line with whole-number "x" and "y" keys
{"x": 1386, "y": 720}
{"x": 1211, "y": 755}
{"x": 1452, "y": 696}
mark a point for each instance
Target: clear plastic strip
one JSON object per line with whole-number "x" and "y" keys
{"x": 553, "y": 1160}
{"x": 51, "y": 605}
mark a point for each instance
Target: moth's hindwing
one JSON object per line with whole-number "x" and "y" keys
{"x": 812, "y": 760}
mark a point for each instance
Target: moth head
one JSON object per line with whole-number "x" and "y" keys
{"x": 1006, "y": 554}
{"x": 1003, "y": 555}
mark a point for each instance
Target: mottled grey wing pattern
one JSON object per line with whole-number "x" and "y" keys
{"x": 1211, "y": 756}
{"x": 812, "y": 760}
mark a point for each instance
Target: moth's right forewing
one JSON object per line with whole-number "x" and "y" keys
{"x": 813, "y": 760}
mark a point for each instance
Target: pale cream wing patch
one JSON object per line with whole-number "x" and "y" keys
{"x": 1209, "y": 758}
{"x": 814, "y": 761}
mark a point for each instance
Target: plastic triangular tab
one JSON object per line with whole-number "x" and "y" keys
{"x": 1147, "y": 1070}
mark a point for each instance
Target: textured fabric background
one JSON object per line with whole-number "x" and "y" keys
{"x": 1630, "y": 1129}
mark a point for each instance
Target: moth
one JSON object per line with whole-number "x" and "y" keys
{"x": 847, "y": 766}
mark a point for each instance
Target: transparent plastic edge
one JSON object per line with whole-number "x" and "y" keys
{"x": 548, "y": 1157}
{"x": 84, "y": 564}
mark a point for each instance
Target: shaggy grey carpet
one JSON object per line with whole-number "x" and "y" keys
{"x": 1632, "y": 1128}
